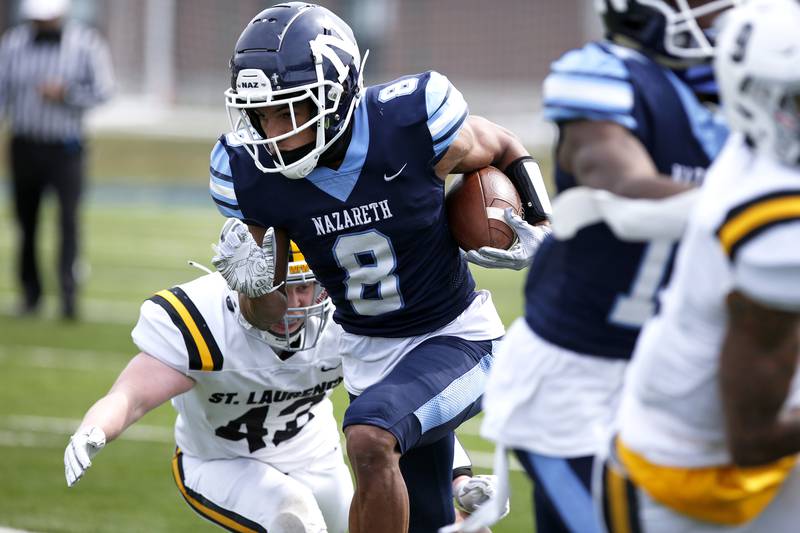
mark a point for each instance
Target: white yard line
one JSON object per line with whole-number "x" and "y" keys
{"x": 63, "y": 358}
{"x": 486, "y": 460}
{"x": 92, "y": 310}
{"x": 27, "y": 431}
{"x": 31, "y": 425}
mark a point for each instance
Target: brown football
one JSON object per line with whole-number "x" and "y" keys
{"x": 475, "y": 203}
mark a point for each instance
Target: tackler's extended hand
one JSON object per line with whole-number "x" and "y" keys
{"x": 247, "y": 267}
{"x": 82, "y": 447}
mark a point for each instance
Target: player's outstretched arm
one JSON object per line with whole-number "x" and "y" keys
{"x": 758, "y": 362}
{"x": 264, "y": 311}
{"x": 255, "y": 271}
{"x": 605, "y": 155}
{"x": 143, "y": 385}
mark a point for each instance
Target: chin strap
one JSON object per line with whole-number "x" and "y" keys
{"x": 336, "y": 152}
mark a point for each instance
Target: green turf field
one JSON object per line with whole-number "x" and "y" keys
{"x": 54, "y": 371}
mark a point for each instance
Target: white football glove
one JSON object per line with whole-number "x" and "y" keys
{"x": 475, "y": 492}
{"x": 247, "y": 267}
{"x": 521, "y": 252}
{"x": 489, "y": 493}
{"x": 82, "y": 447}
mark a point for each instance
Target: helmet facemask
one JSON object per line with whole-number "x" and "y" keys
{"x": 332, "y": 100}
{"x": 684, "y": 37}
{"x": 670, "y": 30}
{"x": 769, "y": 114}
{"x": 787, "y": 126}
{"x": 301, "y": 327}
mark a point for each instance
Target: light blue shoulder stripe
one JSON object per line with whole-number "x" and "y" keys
{"x": 435, "y": 92}
{"x": 223, "y": 198}
{"x": 591, "y": 60}
{"x": 222, "y": 190}
{"x": 577, "y": 90}
{"x": 451, "y": 112}
{"x": 564, "y": 114}
{"x": 447, "y": 111}
{"x": 220, "y": 161}
{"x": 440, "y": 145}
{"x": 708, "y": 127}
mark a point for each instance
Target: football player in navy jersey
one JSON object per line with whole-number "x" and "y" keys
{"x": 636, "y": 117}
{"x": 355, "y": 175}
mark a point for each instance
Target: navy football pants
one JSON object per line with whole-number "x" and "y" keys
{"x": 432, "y": 390}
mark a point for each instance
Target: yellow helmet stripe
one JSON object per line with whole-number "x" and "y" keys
{"x": 295, "y": 254}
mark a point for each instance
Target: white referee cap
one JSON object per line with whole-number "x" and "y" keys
{"x": 43, "y": 9}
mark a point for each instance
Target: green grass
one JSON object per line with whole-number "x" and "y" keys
{"x": 139, "y": 159}
{"x": 151, "y": 160}
{"x": 53, "y": 371}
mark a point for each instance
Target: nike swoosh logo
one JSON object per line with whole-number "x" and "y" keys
{"x": 393, "y": 176}
{"x": 331, "y": 368}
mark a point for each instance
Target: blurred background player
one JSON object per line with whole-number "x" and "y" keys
{"x": 636, "y": 117}
{"x": 262, "y": 389}
{"x": 709, "y": 426}
{"x": 356, "y": 176}
{"x": 51, "y": 72}
{"x": 257, "y": 444}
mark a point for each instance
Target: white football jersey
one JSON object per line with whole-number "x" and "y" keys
{"x": 247, "y": 402}
{"x": 743, "y": 235}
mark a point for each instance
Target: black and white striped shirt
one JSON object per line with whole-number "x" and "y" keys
{"x": 81, "y": 60}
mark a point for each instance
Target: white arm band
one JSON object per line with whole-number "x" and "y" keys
{"x": 630, "y": 219}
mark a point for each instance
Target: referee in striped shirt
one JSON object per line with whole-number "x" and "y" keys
{"x": 51, "y": 72}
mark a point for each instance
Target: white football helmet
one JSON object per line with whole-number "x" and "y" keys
{"x": 301, "y": 327}
{"x": 758, "y": 70}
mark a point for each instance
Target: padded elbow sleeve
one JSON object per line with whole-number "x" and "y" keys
{"x": 524, "y": 173}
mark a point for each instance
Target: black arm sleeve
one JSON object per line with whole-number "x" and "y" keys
{"x": 524, "y": 173}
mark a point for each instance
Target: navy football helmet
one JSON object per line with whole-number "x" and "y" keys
{"x": 668, "y": 29}
{"x": 290, "y": 54}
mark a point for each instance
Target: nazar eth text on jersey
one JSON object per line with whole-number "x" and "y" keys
{"x": 352, "y": 217}
{"x": 270, "y": 396}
